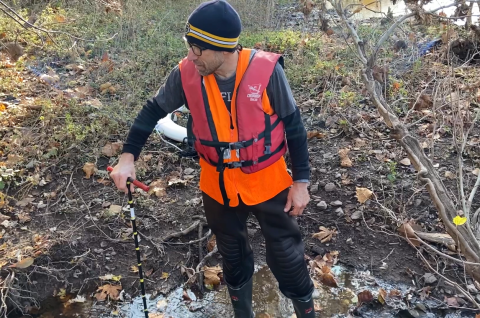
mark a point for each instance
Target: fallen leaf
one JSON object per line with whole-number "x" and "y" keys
{"x": 315, "y": 134}
{"x": 24, "y": 263}
{"x": 345, "y": 161}
{"x": 359, "y": 142}
{"x": 449, "y": 175}
{"x": 365, "y": 296}
{"x": 112, "y": 291}
{"x": 158, "y": 188}
{"x": 405, "y": 162}
{"x": 111, "y": 277}
{"x": 13, "y": 159}
{"x": 425, "y": 292}
{"x": 211, "y": 275}
{"x": 408, "y": 232}
{"x": 382, "y": 296}
{"x": 363, "y": 194}
{"x": 78, "y": 299}
{"x": 189, "y": 171}
{"x": 134, "y": 269}
{"x": 112, "y": 149}
{"x": 325, "y": 235}
{"x": 211, "y": 243}
{"x": 165, "y": 275}
{"x": 115, "y": 209}
{"x": 24, "y": 202}
{"x": 329, "y": 280}
{"x": 155, "y": 315}
{"x": 476, "y": 171}
{"x": 94, "y": 103}
{"x": 396, "y": 86}
{"x": 89, "y": 169}
{"x": 176, "y": 180}
{"x": 23, "y": 217}
{"x": 459, "y": 220}
{"x": 395, "y": 293}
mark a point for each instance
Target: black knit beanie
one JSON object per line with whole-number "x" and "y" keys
{"x": 214, "y": 25}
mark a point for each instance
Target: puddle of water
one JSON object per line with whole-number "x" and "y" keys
{"x": 267, "y": 299}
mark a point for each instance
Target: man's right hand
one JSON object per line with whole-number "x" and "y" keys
{"x": 124, "y": 169}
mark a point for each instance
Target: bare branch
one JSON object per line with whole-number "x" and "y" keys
{"x": 48, "y": 32}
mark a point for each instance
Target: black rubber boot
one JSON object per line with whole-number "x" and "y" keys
{"x": 242, "y": 300}
{"x": 304, "y": 309}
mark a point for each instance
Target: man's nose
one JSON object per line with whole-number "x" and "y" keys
{"x": 191, "y": 56}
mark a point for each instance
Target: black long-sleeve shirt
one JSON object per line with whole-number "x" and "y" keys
{"x": 170, "y": 97}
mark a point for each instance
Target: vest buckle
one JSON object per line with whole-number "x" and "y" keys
{"x": 235, "y": 164}
{"x": 267, "y": 150}
{"x": 236, "y": 145}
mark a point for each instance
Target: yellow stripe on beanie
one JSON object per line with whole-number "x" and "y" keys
{"x": 211, "y": 38}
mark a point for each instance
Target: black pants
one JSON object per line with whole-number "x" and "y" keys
{"x": 284, "y": 246}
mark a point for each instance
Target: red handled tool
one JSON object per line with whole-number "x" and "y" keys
{"x": 137, "y": 183}
{"x": 135, "y": 237}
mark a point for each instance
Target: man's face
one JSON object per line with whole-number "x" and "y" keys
{"x": 208, "y": 62}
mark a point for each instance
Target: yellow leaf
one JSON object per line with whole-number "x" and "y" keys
{"x": 62, "y": 293}
{"x": 108, "y": 290}
{"x": 459, "y": 220}
{"x": 165, "y": 275}
{"x": 24, "y": 263}
{"x": 363, "y": 194}
{"x": 382, "y": 295}
{"x": 134, "y": 269}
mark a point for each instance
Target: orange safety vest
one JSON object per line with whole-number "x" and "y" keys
{"x": 241, "y": 154}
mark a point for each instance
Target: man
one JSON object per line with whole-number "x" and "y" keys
{"x": 243, "y": 117}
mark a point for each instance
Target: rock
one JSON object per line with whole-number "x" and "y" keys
{"x": 327, "y": 155}
{"x": 103, "y": 244}
{"x": 316, "y": 294}
{"x": 409, "y": 313}
{"x": 322, "y": 170}
{"x": 339, "y": 212}
{"x": 251, "y": 232}
{"x": 421, "y": 307}
{"x": 329, "y": 187}
{"x": 472, "y": 289}
{"x": 338, "y": 175}
{"x": 429, "y": 278}
{"x": 98, "y": 250}
{"x": 314, "y": 188}
{"x": 418, "y": 202}
{"x": 336, "y": 203}
{"x": 322, "y": 205}
{"x": 349, "y": 241}
{"x": 318, "y": 250}
{"x": 356, "y": 215}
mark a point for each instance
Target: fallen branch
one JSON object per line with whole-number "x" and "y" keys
{"x": 202, "y": 262}
{"x": 192, "y": 242}
{"x": 181, "y": 233}
{"x": 200, "y": 254}
{"x": 159, "y": 248}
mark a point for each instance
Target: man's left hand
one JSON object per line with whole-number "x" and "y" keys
{"x": 298, "y": 197}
